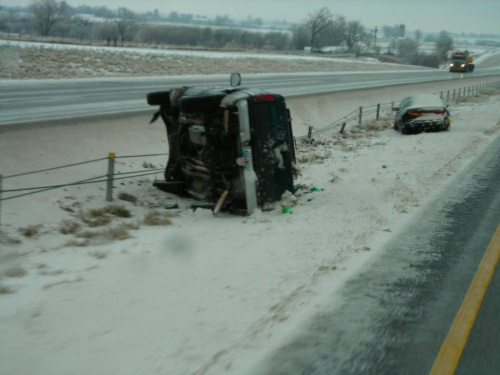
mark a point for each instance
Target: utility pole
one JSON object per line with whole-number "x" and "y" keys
{"x": 375, "y": 41}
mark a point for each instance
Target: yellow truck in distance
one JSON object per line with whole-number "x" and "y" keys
{"x": 461, "y": 61}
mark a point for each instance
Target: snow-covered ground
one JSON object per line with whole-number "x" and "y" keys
{"x": 203, "y": 294}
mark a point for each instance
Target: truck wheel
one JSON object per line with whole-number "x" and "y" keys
{"x": 159, "y": 98}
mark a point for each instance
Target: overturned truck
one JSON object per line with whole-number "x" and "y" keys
{"x": 230, "y": 148}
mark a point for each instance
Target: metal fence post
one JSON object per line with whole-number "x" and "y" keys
{"x": 378, "y": 110}
{"x": 392, "y": 107}
{"x": 448, "y": 96}
{"x": 441, "y": 95}
{"x": 342, "y": 127}
{"x": 111, "y": 172}
{"x": 1, "y": 187}
{"x": 309, "y": 132}
{"x": 360, "y": 114}
{"x": 453, "y": 94}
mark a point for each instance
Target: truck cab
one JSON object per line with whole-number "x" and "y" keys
{"x": 461, "y": 61}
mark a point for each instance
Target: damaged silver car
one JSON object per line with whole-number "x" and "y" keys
{"x": 426, "y": 112}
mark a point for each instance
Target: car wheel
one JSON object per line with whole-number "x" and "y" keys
{"x": 404, "y": 129}
{"x": 446, "y": 124}
{"x": 159, "y": 98}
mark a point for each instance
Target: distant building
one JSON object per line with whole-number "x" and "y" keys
{"x": 401, "y": 33}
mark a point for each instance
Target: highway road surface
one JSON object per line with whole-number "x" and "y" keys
{"x": 395, "y": 315}
{"x": 33, "y": 100}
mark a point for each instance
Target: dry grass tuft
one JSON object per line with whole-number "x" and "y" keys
{"x": 102, "y": 216}
{"x": 462, "y": 99}
{"x": 493, "y": 129}
{"x": 334, "y": 177}
{"x": 400, "y": 208}
{"x": 15, "y": 272}
{"x": 120, "y": 233}
{"x": 78, "y": 243}
{"x": 5, "y": 290}
{"x": 7, "y": 240}
{"x": 158, "y": 218}
{"x": 94, "y": 218}
{"x": 30, "y": 231}
{"x": 69, "y": 227}
{"x": 127, "y": 197}
{"x": 118, "y": 211}
{"x": 372, "y": 126}
{"x": 96, "y": 237}
{"x": 99, "y": 254}
{"x": 51, "y": 273}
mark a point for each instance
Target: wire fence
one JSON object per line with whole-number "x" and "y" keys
{"x": 108, "y": 178}
{"x": 376, "y": 112}
{"x": 357, "y": 116}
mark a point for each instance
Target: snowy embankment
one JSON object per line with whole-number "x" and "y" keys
{"x": 202, "y": 294}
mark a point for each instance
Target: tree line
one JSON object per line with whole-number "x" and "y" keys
{"x": 320, "y": 29}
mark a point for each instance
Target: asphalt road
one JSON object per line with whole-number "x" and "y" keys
{"x": 32, "y": 100}
{"x": 395, "y": 314}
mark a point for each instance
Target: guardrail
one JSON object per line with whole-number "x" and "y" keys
{"x": 355, "y": 116}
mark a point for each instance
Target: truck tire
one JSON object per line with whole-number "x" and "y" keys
{"x": 159, "y": 98}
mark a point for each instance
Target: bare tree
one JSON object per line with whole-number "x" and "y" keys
{"x": 443, "y": 45}
{"x": 126, "y": 23}
{"x": 105, "y": 30}
{"x": 48, "y": 13}
{"x": 407, "y": 48}
{"x": 354, "y": 32}
{"x": 333, "y": 35}
{"x": 319, "y": 21}
{"x": 396, "y": 31}
{"x": 300, "y": 36}
{"x": 3, "y": 21}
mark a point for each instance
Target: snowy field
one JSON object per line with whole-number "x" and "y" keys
{"x": 27, "y": 60}
{"x": 172, "y": 291}
{"x": 23, "y": 60}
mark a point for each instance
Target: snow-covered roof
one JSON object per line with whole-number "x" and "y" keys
{"x": 424, "y": 100}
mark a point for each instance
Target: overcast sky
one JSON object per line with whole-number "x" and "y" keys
{"x": 469, "y": 16}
